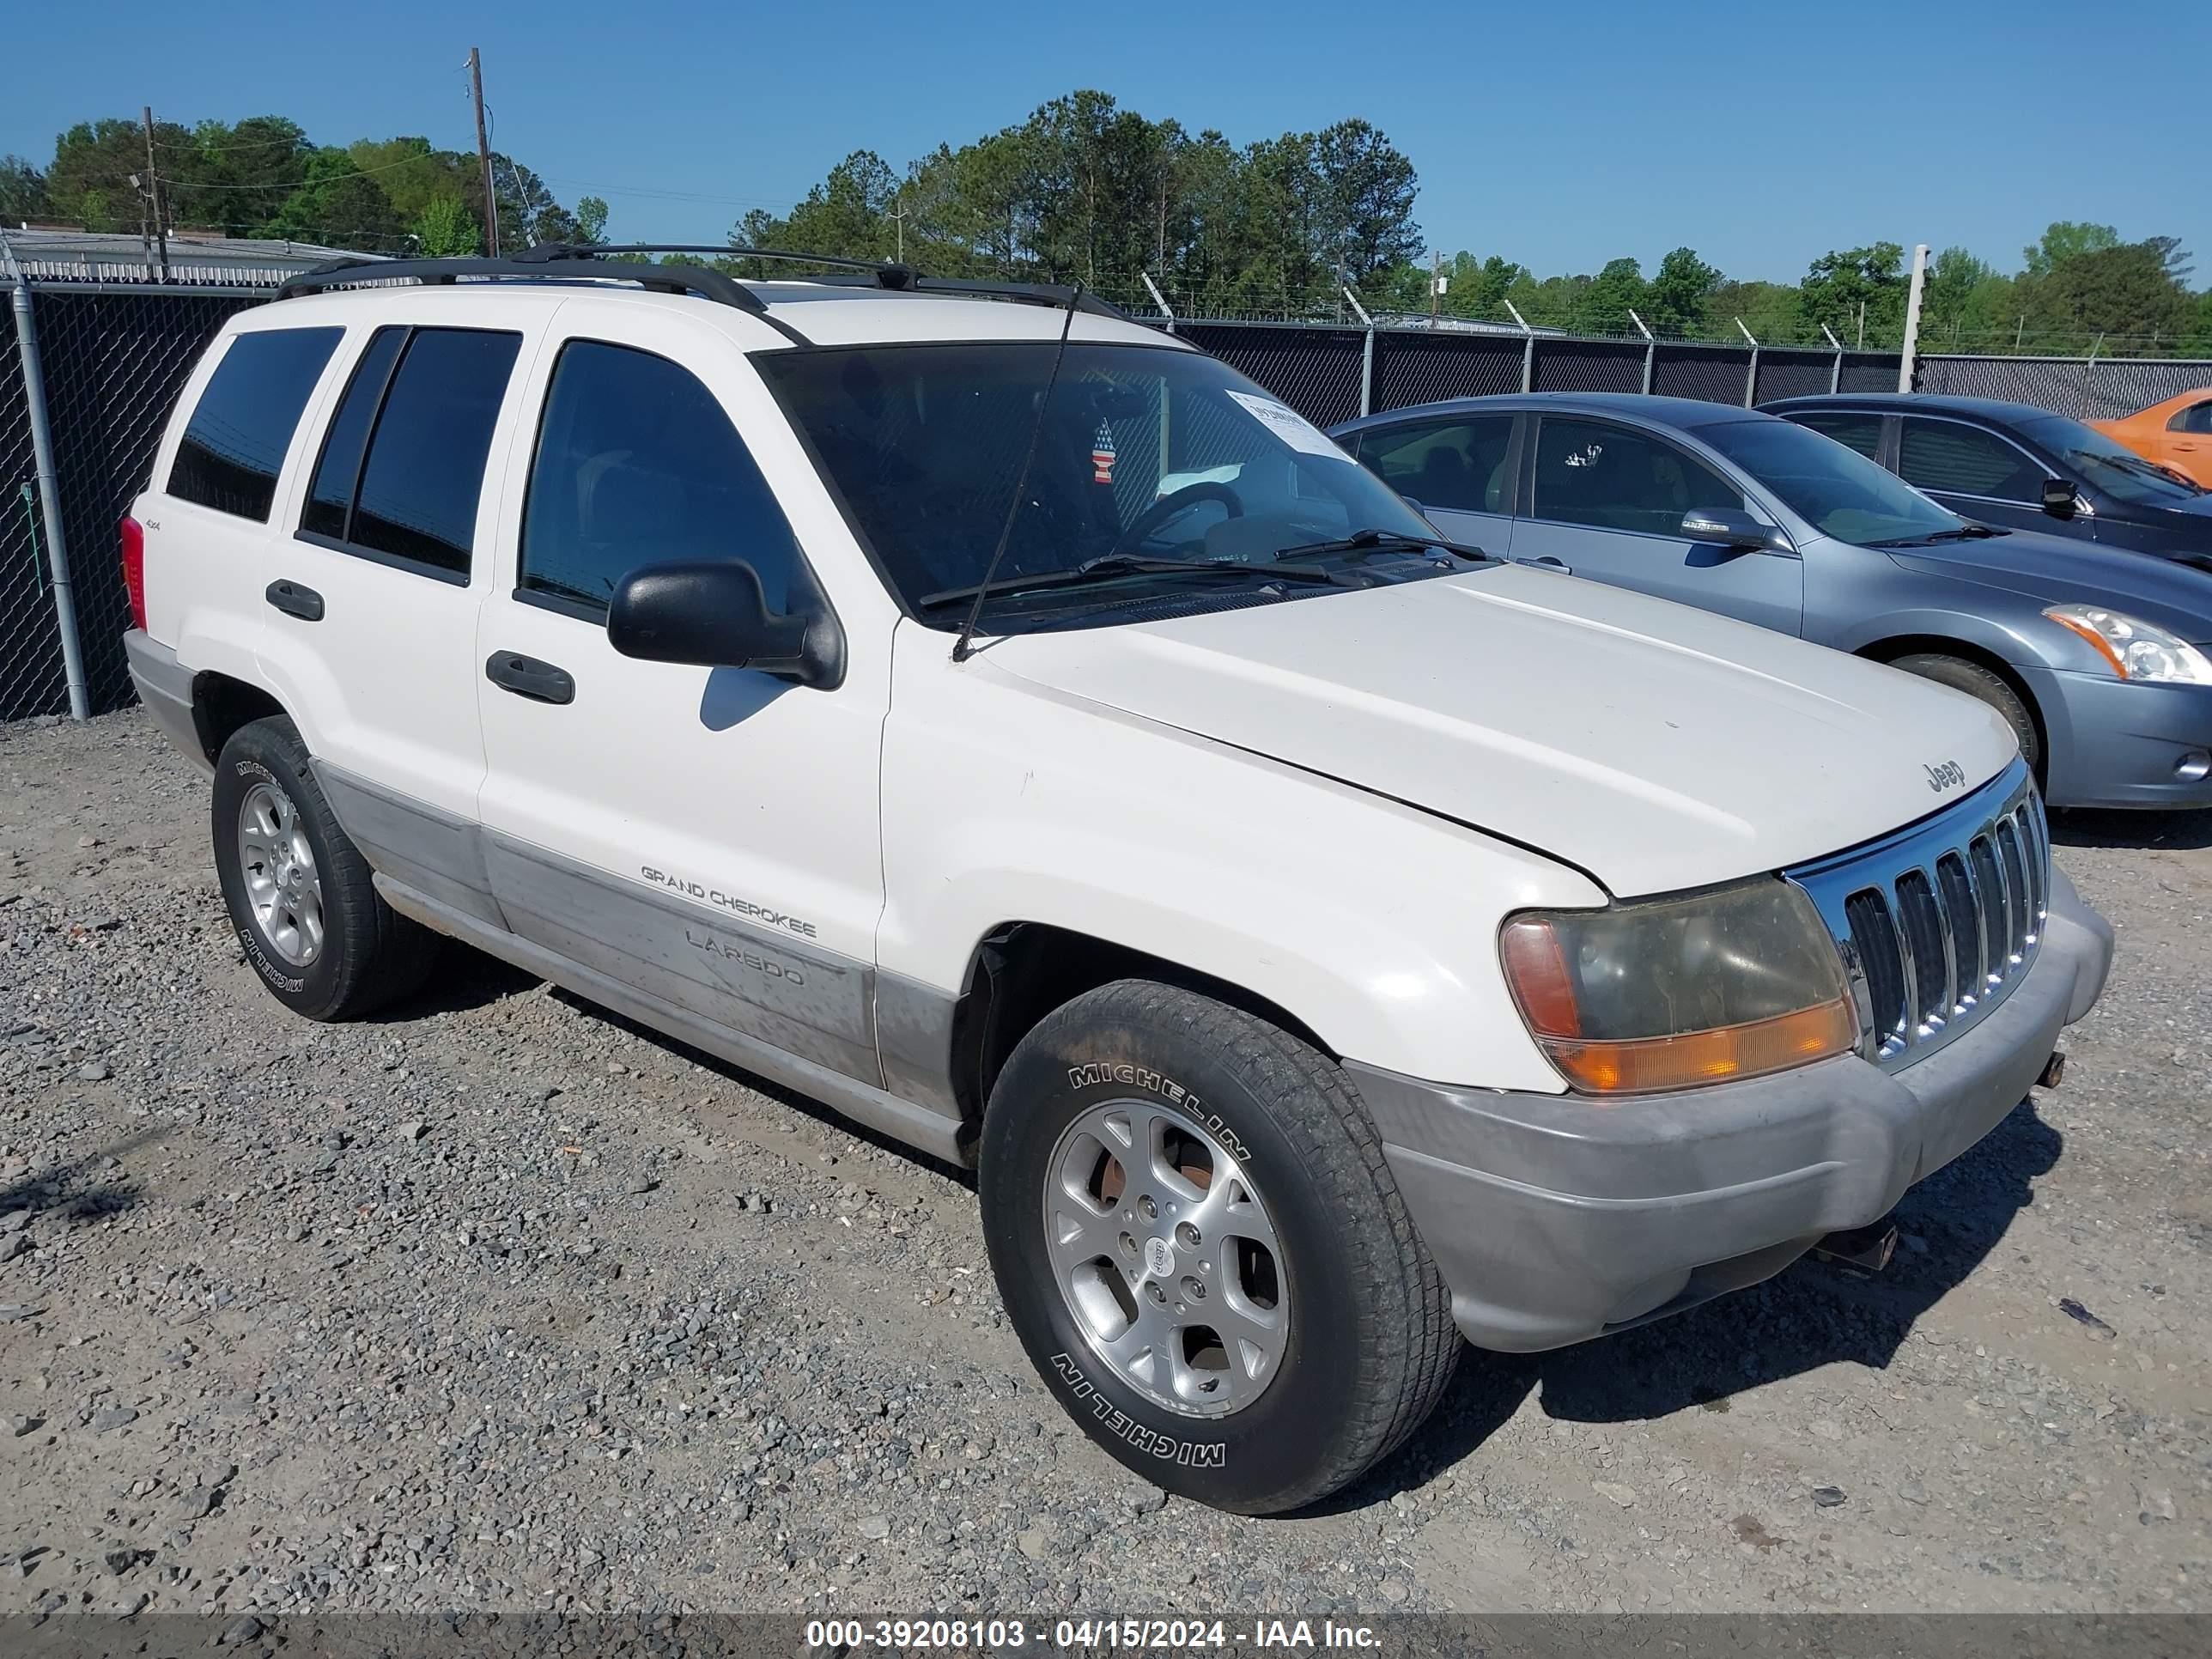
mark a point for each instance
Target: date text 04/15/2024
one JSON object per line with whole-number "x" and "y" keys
{"x": 1084, "y": 1635}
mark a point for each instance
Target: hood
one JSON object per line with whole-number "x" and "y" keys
{"x": 2055, "y": 569}
{"x": 1654, "y": 746}
{"x": 2188, "y": 517}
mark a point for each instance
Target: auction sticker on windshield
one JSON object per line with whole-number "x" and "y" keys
{"x": 1286, "y": 423}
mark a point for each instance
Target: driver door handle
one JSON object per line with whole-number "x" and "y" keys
{"x": 1550, "y": 563}
{"x": 527, "y": 676}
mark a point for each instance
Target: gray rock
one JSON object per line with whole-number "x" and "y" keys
{"x": 875, "y": 1527}
{"x": 113, "y": 1417}
{"x": 93, "y": 1070}
{"x": 1035, "y": 1543}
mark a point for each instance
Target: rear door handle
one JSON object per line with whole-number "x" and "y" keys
{"x": 527, "y": 676}
{"x": 294, "y": 600}
{"x": 1550, "y": 563}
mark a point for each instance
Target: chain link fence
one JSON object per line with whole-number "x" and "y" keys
{"x": 115, "y": 356}
{"x": 2087, "y": 388}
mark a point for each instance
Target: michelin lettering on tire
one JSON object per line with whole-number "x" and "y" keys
{"x": 1131, "y": 1076}
{"x": 1168, "y": 1447}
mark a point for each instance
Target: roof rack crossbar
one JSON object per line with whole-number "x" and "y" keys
{"x": 540, "y": 264}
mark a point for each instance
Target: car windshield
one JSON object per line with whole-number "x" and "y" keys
{"x": 1832, "y": 487}
{"x": 2112, "y": 467}
{"x": 1157, "y": 469}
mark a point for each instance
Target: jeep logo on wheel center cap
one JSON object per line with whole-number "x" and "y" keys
{"x": 1159, "y": 1257}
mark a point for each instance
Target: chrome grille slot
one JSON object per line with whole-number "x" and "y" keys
{"x": 1938, "y": 921}
{"x": 1928, "y": 949}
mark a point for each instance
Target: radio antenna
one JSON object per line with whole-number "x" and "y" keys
{"x": 965, "y": 647}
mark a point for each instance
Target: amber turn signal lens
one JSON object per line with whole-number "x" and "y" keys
{"x": 1647, "y": 1064}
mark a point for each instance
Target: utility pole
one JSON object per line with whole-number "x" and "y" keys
{"x": 483, "y": 155}
{"x": 898, "y": 219}
{"x": 154, "y": 190}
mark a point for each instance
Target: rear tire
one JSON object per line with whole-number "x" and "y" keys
{"x": 1202, "y": 1248}
{"x": 1991, "y": 687}
{"x": 298, "y": 892}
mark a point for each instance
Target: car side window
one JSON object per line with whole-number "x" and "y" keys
{"x": 2196, "y": 418}
{"x": 638, "y": 465}
{"x": 1590, "y": 472}
{"x": 1964, "y": 460}
{"x": 403, "y": 464}
{"x": 1859, "y": 432}
{"x": 1458, "y": 465}
{"x": 234, "y": 446}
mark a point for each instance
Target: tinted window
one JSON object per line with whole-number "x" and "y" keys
{"x": 234, "y": 446}
{"x": 1859, "y": 432}
{"x": 2112, "y": 467}
{"x": 1944, "y": 455}
{"x": 1141, "y": 450}
{"x": 1456, "y": 464}
{"x": 1589, "y": 472}
{"x": 1840, "y": 493}
{"x": 426, "y": 462}
{"x": 330, "y": 498}
{"x": 2197, "y": 417}
{"x": 637, "y": 464}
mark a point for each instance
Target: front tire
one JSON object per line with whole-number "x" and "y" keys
{"x": 1991, "y": 687}
{"x": 1203, "y": 1251}
{"x": 298, "y": 892}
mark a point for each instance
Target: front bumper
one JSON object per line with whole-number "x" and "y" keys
{"x": 1554, "y": 1218}
{"x": 2123, "y": 743}
{"x": 165, "y": 686}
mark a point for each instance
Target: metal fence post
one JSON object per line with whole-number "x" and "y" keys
{"x": 1528, "y": 349}
{"x": 1152, "y": 289}
{"x": 1366, "y": 354}
{"x": 1836, "y": 369}
{"x": 1910, "y": 355}
{"x": 1751, "y": 375}
{"x": 1650, "y": 348}
{"x": 49, "y": 498}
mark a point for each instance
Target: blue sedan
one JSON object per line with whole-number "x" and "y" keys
{"x": 2100, "y": 659}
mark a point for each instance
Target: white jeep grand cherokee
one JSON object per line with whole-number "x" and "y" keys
{"x": 1317, "y": 937}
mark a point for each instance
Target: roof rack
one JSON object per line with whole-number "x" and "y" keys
{"x": 577, "y": 262}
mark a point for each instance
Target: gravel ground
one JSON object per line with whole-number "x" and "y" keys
{"x": 501, "y": 1303}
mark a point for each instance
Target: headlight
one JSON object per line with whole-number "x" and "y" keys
{"x": 2136, "y": 650}
{"x": 1671, "y": 993}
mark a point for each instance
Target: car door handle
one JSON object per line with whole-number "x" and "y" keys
{"x": 294, "y": 600}
{"x": 1550, "y": 563}
{"x": 527, "y": 676}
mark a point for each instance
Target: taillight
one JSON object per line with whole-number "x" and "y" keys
{"x": 134, "y": 568}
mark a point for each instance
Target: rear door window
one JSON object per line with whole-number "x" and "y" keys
{"x": 403, "y": 466}
{"x": 1859, "y": 432}
{"x": 2196, "y": 418}
{"x": 1613, "y": 477}
{"x": 1458, "y": 465}
{"x": 1964, "y": 460}
{"x": 234, "y": 446}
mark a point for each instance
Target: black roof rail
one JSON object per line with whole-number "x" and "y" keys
{"x": 535, "y": 263}
{"x": 579, "y": 262}
{"x": 885, "y": 274}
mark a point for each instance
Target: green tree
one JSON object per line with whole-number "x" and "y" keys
{"x": 1366, "y": 187}
{"x": 1837, "y": 284}
{"x": 1680, "y": 292}
{"x": 1603, "y": 305}
{"x": 2064, "y": 239}
{"x": 443, "y": 229}
{"x": 591, "y": 219}
{"x": 22, "y": 191}
{"x": 2130, "y": 290}
{"x": 340, "y": 205}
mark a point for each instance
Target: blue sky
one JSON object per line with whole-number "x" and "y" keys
{"x": 1558, "y": 135}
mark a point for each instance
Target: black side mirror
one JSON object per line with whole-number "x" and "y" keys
{"x": 1728, "y": 527}
{"x": 2059, "y": 498}
{"x": 711, "y": 613}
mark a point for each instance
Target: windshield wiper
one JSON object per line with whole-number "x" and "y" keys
{"x": 1967, "y": 532}
{"x": 1107, "y": 565}
{"x": 1372, "y": 541}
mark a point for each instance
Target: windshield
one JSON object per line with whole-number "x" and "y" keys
{"x": 2112, "y": 467}
{"x": 1147, "y": 453}
{"x": 1834, "y": 488}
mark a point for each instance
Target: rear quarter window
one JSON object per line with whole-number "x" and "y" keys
{"x": 234, "y": 446}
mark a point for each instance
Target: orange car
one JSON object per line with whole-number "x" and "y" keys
{"x": 2176, "y": 432}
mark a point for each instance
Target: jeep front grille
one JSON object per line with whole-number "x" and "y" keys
{"x": 1937, "y": 922}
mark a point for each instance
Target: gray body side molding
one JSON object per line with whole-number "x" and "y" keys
{"x": 807, "y": 1018}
